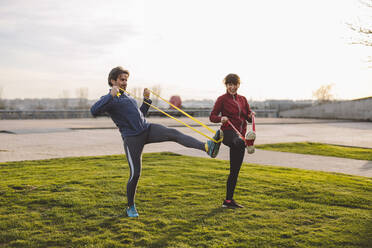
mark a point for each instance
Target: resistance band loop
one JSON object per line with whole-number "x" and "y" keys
{"x": 216, "y": 141}
{"x": 236, "y": 130}
{"x": 253, "y": 124}
{"x": 183, "y": 112}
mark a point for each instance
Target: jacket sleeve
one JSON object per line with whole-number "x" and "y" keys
{"x": 249, "y": 111}
{"x": 217, "y": 109}
{"x": 102, "y": 105}
{"x": 145, "y": 107}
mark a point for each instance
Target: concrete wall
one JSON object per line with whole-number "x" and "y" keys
{"x": 348, "y": 110}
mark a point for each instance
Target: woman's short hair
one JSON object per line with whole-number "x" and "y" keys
{"x": 231, "y": 79}
{"x": 115, "y": 73}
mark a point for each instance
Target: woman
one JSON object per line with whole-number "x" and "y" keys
{"x": 137, "y": 132}
{"x": 234, "y": 108}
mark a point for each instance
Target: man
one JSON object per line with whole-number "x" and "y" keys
{"x": 136, "y": 131}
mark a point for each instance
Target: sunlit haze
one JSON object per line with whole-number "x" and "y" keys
{"x": 280, "y": 49}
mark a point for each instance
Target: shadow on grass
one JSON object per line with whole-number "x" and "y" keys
{"x": 185, "y": 229}
{"x": 367, "y": 234}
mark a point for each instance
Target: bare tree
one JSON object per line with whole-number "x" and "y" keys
{"x": 323, "y": 94}
{"x": 64, "y": 99}
{"x": 137, "y": 93}
{"x": 364, "y": 27}
{"x": 82, "y": 94}
{"x": 40, "y": 105}
{"x": 157, "y": 90}
{"x": 2, "y": 102}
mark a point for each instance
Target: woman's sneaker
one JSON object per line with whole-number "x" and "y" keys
{"x": 132, "y": 211}
{"x": 231, "y": 204}
{"x": 213, "y": 148}
{"x": 250, "y": 137}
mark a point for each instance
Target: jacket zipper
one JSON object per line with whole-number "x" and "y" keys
{"x": 237, "y": 103}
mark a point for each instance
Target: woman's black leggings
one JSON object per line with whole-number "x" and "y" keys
{"x": 237, "y": 151}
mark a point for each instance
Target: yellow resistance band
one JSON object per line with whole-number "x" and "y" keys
{"x": 183, "y": 112}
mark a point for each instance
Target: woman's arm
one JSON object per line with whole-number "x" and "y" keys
{"x": 249, "y": 111}
{"x": 217, "y": 109}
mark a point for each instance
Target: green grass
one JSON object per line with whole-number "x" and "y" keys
{"x": 80, "y": 202}
{"x": 320, "y": 149}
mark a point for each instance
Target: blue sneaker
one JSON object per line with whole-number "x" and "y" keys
{"x": 213, "y": 148}
{"x": 132, "y": 211}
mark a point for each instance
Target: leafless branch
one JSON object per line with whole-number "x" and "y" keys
{"x": 366, "y": 3}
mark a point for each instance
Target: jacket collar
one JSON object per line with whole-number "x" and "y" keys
{"x": 231, "y": 96}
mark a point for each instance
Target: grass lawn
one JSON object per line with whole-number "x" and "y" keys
{"x": 80, "y": 202}
{"x": 320, "y": 149}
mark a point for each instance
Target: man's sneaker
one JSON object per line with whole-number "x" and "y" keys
{"x": 212, "y": 148}
{"x": 231, "y": 204}
{"x": 250, "y": 137}
{"x": 132, "y": 211}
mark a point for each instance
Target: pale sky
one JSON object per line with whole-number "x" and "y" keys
{"x": 280, "y": 49}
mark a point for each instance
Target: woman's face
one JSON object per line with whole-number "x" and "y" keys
{"x": 232, "y": 88}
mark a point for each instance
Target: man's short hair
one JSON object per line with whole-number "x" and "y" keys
{"x": 115, "y": 73}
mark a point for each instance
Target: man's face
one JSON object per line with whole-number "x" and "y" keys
{"x": 121, "y": 81}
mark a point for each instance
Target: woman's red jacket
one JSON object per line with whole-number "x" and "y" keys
{"x": 236, "y": 108}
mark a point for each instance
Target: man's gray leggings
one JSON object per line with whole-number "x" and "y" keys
{"x": 133, "y": 147}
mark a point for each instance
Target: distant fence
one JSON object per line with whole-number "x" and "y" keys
{"x": 70, "y": 114}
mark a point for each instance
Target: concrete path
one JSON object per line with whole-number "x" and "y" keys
{"x": 308, "y": 162}
{"x": 41, "y": 139}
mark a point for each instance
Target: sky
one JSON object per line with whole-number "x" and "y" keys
{"x": 280, "y": 49}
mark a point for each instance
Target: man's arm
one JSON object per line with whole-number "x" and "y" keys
{"x": 102, "y": 105}
{"x": 146, "y": 98}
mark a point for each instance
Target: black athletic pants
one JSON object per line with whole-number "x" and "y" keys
{"x": 133, "y": 147}
{"x": 237, "y": 151}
